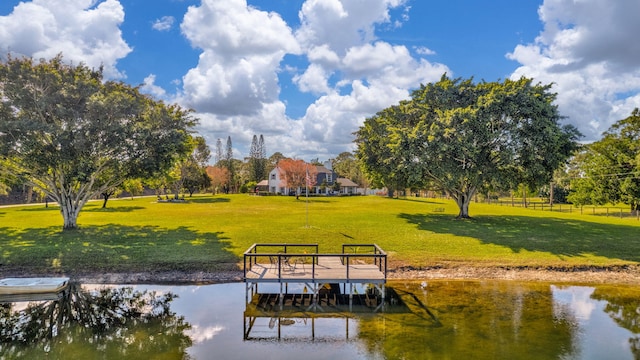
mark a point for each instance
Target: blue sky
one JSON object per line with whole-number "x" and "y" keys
{"x": 306, "y": 73}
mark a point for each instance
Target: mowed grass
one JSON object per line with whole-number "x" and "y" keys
{"x": 210, "y": 233}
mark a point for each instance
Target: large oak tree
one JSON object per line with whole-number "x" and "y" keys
{"x": 460, "y": 137}
{"x": 74, "y": 135}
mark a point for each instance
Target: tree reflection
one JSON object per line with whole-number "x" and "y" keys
{"x": 479, "y": 320}
{"x": 105, "y": 323}
{"x": 623, "y": 306}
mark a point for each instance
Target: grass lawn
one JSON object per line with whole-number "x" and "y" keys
{"x": 210, "y": 233}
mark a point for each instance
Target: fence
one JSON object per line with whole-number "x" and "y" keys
{"x": 569, "y": 208}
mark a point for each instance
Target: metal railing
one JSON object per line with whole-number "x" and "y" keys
{"x": 280, "y": 255}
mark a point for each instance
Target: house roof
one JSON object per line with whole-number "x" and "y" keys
{"x": 263, "y": 183}
{"x": 322, "y": 169}
{"x": 344, "y": 182}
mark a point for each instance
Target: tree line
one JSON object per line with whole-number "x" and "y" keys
{"x": 71, "y": 136}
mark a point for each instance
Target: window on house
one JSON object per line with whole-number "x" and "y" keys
{"x": 329, "y": 178}
{"x": 273, "y": 176}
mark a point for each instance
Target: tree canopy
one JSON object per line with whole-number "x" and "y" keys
{"x": 73, "y": 135}
{"x": 297, "y": 174}
{"x": 461, "y": 137}
{"x": 610, "y": 167}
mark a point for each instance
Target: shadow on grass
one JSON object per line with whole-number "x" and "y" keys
{"x": 113, "y": 209}
{"x": 315, "y": 199}
{"x": 422, "y": 200}
{"x": 116, "y": 248}
{"x": 51, "y": 207}
{"x": 561, "y": 237}
{"x": 209, "y": 200}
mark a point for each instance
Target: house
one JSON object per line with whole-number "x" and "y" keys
{"x": 324, "y": 182}
{"x": 347, "y": 186}
{"x": 275, "y": 182}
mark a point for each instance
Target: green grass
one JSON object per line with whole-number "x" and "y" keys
{"x": 210, "y": 233}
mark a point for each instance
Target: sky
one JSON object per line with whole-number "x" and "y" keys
{"x": 305, "y": 74}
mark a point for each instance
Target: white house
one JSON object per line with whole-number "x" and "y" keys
{"x": 276, "y": 185}
{"x": 325, "y": 178}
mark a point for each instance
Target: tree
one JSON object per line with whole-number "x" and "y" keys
{"x": 228, "y": 160}
{"x": 610, "y": 167}
{"x": 219, "y": 177}
{"x": 346, "y": 165}
{"x": 379, "y": 163}
{"x": 133, "y": 186}
{"x": 459, "y": 137}
{"x": 273, "y": 160}
{"x": 297, "y": 174}
{"x": 257, "y": 160}
{"x": 219, "y": 152}
{"x": 189, "y": 172}
{"x": 74, "y": 136}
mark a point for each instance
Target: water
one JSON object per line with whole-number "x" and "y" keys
{"x": 434, "y": 320}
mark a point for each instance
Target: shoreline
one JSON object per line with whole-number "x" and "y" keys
{"x": 619, "y": 276}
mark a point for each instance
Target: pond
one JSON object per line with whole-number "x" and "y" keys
{"x": 423, "y": 320}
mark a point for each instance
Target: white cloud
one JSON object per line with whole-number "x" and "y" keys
{"x": 242, "y": 50}
{"x": 81, "y": 30}
{"x": 314, "y": 79}
{"x": 164, "y": 23}
{"x": 235, "y": 86}
{"x": 342, "y": 24}
{"x": 358, "y": 74}
{"x": 421, "y": 50}
{"x": 590, "y": 51}
{"x": 149, "y": 87}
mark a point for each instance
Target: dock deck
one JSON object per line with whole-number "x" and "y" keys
{"x": 325, "y": 269}
{"x": 358, "y": 263}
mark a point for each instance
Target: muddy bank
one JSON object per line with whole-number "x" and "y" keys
{"x": 612, "y": 275}
{"x": 625, "y": 275}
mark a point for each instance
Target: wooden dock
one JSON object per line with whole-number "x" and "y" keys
{"x": 329, "y": 283}
{"x": 323, "y": 269}
{"x": 357, "y": 264}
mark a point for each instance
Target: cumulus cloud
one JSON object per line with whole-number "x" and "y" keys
{"x": 355, "y": 73}
{"x": 589, "y": 50}
{"x": 235, "y": 86}
{"x": 82, "y": 30}
{"x": 242, "y": 48}
{"x": 341, "y": 24}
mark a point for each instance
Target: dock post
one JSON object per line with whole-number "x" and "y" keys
{"x": 350, "y": 297}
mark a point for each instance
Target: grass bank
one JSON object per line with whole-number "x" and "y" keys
{"x": 210, "y": 233}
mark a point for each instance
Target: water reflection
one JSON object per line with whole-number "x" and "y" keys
{"x": 438, "y": 319}
{"x": 100, "y": 323}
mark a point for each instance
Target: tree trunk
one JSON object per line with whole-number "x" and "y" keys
{"x": 463, "y": 199}
{"x": 463, "y": 204}
{"x": 105, "y": 198}
{"x": 69, "y": 211}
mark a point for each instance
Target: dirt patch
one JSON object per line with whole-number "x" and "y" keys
{"x": 618, "y": 275}
{"x": 629, "y": 274}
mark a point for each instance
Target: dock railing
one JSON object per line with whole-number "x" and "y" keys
{"x": 281, "y": 255}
